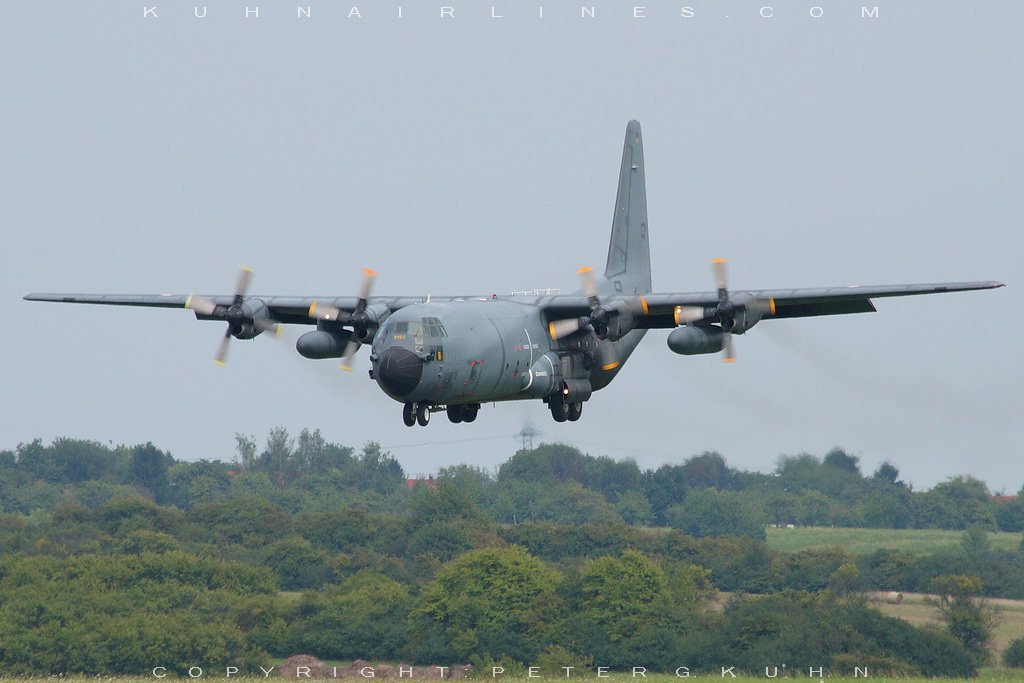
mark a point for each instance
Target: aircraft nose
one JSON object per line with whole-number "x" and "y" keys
{"x": 399, "y": 371}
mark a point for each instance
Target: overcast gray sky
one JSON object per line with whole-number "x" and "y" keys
{"x": 472, "y": 154}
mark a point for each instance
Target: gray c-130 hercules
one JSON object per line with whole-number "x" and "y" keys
{"x": 454, "y": 353}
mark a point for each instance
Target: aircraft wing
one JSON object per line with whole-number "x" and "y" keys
{"x": 786, "y": 303}
{"x": 284, "y": 309}
{"x": 800, "y": 303}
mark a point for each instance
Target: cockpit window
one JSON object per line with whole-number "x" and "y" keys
{"x": 426, "y": 327}
{"x": 434, "y": 328}
{"x": 410, "y": 327}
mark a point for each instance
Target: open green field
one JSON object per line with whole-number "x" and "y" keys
{"x": 866, "y": 541}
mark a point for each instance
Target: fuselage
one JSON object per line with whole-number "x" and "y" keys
{"x": 484, "y": 350}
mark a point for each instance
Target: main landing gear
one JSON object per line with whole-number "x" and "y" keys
{"x": 562, "y": 410}
{"x": 419, "y": 413}
{"x": 416, "y": 412}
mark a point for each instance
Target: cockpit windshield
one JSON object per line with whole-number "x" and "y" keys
{"x": 425, "y": 327}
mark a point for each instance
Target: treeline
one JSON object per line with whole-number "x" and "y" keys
{"x": 552, "y": 561}
{"x": 701, "y": 495}
{"x": 496, "y": 606}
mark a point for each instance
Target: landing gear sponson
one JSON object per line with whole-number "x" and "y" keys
{"x": 419, "y": 413}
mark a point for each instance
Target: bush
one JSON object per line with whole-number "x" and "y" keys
{"x": 1013, "y": 656}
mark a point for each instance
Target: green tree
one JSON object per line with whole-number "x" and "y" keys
{"x": 148, "y": 468}
{"x": 713, "y": 513}
{"x": 622, "y": 595}
{"x": 967, "y": 616}
{"x": 1013, "y": 655}
{"x": 297, "y": 564}
{"x": 840, "y": 459}
{"x": 708, "y": 470}
{"x": 364, "y": 617}
{"x": 251, "y": 521}
{"x": 493, "y": 602}
{"x": 634, "y": 509}
{"x": 548, "y": 463}
{"x": 975, "y": 543}
{"x": 956, "y": 504}
{"x": 846, "y": 580}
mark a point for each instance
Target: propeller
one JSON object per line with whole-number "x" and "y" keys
{"x": 241, "y": 320}
{"x": 357, "y": 319}
{"x": 726, "y": 311}
{"x": 598, "y": 319}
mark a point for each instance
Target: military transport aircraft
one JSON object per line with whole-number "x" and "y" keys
{"x": 454, "y": 353}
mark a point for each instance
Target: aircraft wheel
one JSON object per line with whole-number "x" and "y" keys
{"x": 574, "y": 412}
{"x": 559, "y": 408}
{"x": 409, "y": 414}
{"x": 456, "y": 414}
{"x": 469, "y": 412}
{"x": 423, "y": 413}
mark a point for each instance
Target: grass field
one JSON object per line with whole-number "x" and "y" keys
{"x": 917, "y": 611}
{"x": 613, "y": 677}
{"x": 866, "y": 541}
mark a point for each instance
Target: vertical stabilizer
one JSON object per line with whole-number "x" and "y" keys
{"x": 629, "y": 254}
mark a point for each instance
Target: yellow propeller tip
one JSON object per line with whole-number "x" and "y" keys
{"x": 718, "y": 260}
{"x": 367, "y": 271}
{"x": 728, "y": 360}
{"x": 584, "y": 269}
{"x": 219, "y": 362}
{"x": 610, "y": 366}
{"x": 247, "y": 268}
{"x": 345, "y": 368}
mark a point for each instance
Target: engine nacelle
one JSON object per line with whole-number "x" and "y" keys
{"x": 321, "y": 344}
{"x": 250, "y": 321}
{"x": 691, "y": 340}
{"x": 622, "y": 323}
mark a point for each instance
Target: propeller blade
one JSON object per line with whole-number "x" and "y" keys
{"x": 563, "y": 328}
{"x": 200, "y": 305}
{"x": 609, "y": 361}
{"x": 268, "y": 326}
{"x": 688, "y": 314}
{"x": 222, "y": 351}
{"x": 350, "y": 352}
{"x": 589, "y": 284}
{"x": 730, "y": 353}
{"x": 721, "y": 281}
{"x": 324, "y": 311}
{"x": 242, "y": 285}
{"x": 367, "y": 284}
